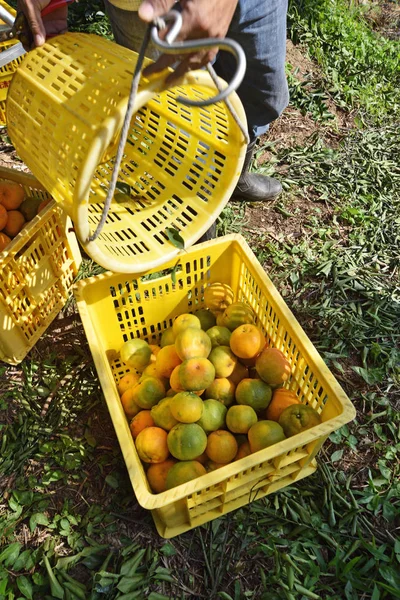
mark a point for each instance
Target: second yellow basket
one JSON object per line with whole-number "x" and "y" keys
{"x": 115, "y": 308}
{"x": 37, "y": 272}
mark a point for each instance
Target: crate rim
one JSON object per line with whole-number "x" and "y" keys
{"x": 19, "y": 240}
{"x": 152, "y": 501}
{"x": 24, "y": 326}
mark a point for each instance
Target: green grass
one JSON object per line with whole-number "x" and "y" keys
{"x": 361, "y": 68}
{"x": 89, "y": 17}
{"x": 348, "y": 269}
{"x": 69, "y": 524}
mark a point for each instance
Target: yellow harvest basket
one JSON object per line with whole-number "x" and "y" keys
{"x": 65, "y": 110}
{"x": 115, "y": 308}
{"x": 37, "y": 271}
{"x": 7, "y": 71}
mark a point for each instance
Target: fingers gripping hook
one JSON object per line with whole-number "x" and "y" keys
{"x": 169, "y": 46}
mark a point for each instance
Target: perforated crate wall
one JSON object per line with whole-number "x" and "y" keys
{"x": 115, "y": 308}
{"x": 37, "y": 271}
{"x": 66, "y": 107}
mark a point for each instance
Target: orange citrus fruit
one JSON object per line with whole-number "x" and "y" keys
{"x": 218, "y": 296}
{"x": 3, "y": 217}
{"x": 4, "y": 241}
{"x": 151, "y": 371}
{"x": 148, "y": 392}
{"x": 281, "y": 399}
{"x": 273, "y": 367}
{"x": 219, "y": 336}
{"x": 157, "y": 475}
{"x": 129, "y": 405}
{"x": 213, "y": 416}
{"x": 247, "y": 341}
{"x": 196, "y": 374}
{"x": 236, "y": 314}
{"x": 264, "y": 434}
{"x": 174, "y": 380}
{"x": 186, "y": 441}
{"x": 127, "y": 381}
{"x": 206, "y": 317}
{"x": 297, "y": 418}
{"x": 221, "y": 446}
{"x": 221, "y": 389}
{"x": 240, "y": 418}
{"x": 184, "y": 471}
{"x": 186, "y": 407}
{"x": 167, "y": 337}
{"x": 142, "y": 420}
{"x": 29, "y": 208}
{"x": 184, "y": 321}
{"x": 11, "y": 194}
{"x": 244, "y": 450}
{"x": 136, "y": 353}
{"x": 154, "y": 349}
{"x": 192, "y": 343}
{"x": 15, "y": 223}
{"x": 166, "y": 361}
{"x": 253, "y": 392}
{"x": 151, "y": 445}
{"x": 162, "y": 415}
{"x": 239, "y": 372}
{"x": 223, "y": 360}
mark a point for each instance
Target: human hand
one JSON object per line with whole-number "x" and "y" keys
{"x": 201, "y": 19}
{"x": 41, "y": 27}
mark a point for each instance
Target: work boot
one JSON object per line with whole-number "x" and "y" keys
{"x": 252, "y": 187}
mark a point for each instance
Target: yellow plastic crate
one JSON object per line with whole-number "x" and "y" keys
{"x": 115, "y": 308}
{"x": 37, "y": 271}
{"x": 6, "y": 72}
{"x": 65, "y": 109}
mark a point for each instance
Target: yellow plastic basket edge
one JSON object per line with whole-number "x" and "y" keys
{"x": 28, "y": 180}
{"x": 24, "y": 237}
{"x": 24, "y": 178}
{"x": 10, "y": 9}
{"x": 295, "y": 330}
{"x": 100, "y": 146}
{"x": 151, "y": 501}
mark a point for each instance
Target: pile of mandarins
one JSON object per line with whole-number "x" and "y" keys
{"x": 15, "y": 210}
{"x": 210, "y": 394}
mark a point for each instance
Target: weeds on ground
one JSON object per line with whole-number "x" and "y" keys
{"x": 344, "y": 276}
{"x": 89, "y": 17}
{"x": 361, "y": 68}
{"x": 70, "y": 526}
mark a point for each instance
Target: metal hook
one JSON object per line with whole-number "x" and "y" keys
{"x": 169, "y": 46}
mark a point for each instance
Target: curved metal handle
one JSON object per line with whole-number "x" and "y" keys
{"x": 169, "y": 46}
{"x": 6, "y": 16}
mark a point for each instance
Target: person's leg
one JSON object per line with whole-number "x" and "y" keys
{"x": 260, "y": 28}
{"x": 128, "y": 29}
